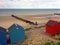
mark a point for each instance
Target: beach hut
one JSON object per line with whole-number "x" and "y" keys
{"x": 52, "y": 27}
{"x": 3, "y": 40}
{"x": 17, "y": 33}
{"x": 59, "y": 26}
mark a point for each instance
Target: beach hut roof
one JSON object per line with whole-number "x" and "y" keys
{"x": 59, "y": 21}
{"x": 50, "y": 22}
{"x": 2, "y": 29}
{"x": 14, "y": 26}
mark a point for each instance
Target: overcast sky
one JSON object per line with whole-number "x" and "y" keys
{"x": 30, "y": 4}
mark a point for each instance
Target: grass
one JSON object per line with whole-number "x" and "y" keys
{"x": 58, "y": 43}
{"x": 27, "y": 29}
{"x": 34, "y": 27}
{"x": 57, "y": 38}
{"x": 47, "y": 43}
{"x": 39, "y": 27}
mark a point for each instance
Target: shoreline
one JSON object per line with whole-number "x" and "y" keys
{"x": 26, "y": 14}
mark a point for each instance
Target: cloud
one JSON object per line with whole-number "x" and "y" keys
{"x": 30, "y": 4}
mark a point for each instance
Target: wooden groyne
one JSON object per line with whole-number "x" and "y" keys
{"x": 24, "y": 20}
{"x": 56, "y": 13}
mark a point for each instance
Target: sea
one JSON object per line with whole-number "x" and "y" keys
{"x": 27, "y": 11}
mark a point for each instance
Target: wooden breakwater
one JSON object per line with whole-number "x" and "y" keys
{"x": 24, "y": 20}
{"x": 56, "y": 13}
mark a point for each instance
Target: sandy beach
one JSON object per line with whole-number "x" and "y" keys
{"x": 34, "y": 35}
{"x": 7, "y": 21}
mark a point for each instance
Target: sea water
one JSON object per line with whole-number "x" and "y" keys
{"x": 27, "y": 11}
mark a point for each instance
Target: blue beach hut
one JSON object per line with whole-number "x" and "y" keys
{"x": 17, "y": 33}
{"x": 3, "y": 39}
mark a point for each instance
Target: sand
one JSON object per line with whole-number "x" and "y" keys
{"x": 7, "y": 21}
{"x": 35, "y": 36}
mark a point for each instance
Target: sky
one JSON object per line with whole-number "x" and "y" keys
{"x": 30, "y": 4}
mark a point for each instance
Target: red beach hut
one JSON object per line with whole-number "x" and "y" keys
{"x": 52, "y": 27}
{"x": 59, "y": 26}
